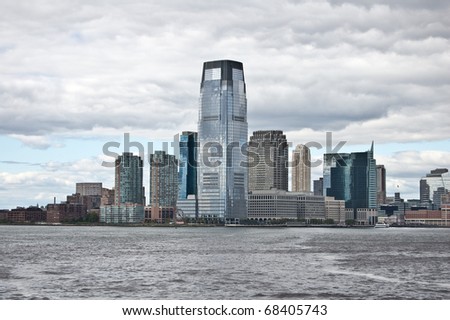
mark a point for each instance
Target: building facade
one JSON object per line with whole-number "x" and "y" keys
{"x": 129, "y": 179}
{"x": 301, "y": 169}
{"x": 107, "y": 197}
{"x": 429, "y": 217}
{"x": 280, "y": 204}
{"x": 163, "y": 180}
{"x": 270, "y": 170}
{"x": 125, "y": 213}
{"x": 22, "y": 215}
{"x": 381, "y": 185}
{"x": 318, "y": 187}
{"x": 128, "y": 193}
{"x": 65, "y": 212}
{"x": 222, "y": 131}
{"x": 335, "y": 210}
{"x": 351, "y": 177}
{"x": 89, "y": 188}
{"x": 433, "y": 186}
{"x": 187, "y": 174}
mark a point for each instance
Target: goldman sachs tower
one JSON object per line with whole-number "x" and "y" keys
{"x": 222, "y": 131}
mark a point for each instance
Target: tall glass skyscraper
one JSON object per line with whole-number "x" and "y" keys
{"x": 222, "y": 130}
{"x": 351, "y": 177}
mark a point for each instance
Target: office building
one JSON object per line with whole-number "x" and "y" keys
{"x": 424, "y": 190}
{"x": 187, "y": 174}
{"x": 433, "y": 186}
{"x": 381, "y": 185}
{"x": 270, "y": 171}
{"x": 279, "y": 204}
{"x": 335, "y": 210}
{"x": 222, "y": 130}
{"x": 351, "y": 177}
{"x": 318, "y": 187}
{"x": 301, "y": 169}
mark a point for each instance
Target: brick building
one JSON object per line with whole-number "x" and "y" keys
{"x": 22, "y": 215}
{"x": 65, "y": 212}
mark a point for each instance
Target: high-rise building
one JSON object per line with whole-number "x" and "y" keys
{"x": 271, "y": 170}
{"x": 318, "y": 187}
{"x": 301, "y": 169}
{"x": 381, "y": 184}
{"x": 187, "y": 175}
{"x": 187, "y": 202}
{"x": 129, "y": 193}
{"x": 424, "y": 191}
{"x": 351, "y": 177}
{"x": 222, "y": 130}
{"x": 163, "y": 180}
{"x": 128, "y": 180}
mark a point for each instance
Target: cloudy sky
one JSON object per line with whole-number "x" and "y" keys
{"x": 77, "y": 74}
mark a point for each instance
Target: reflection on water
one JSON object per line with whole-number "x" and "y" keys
{"x": 42, "y": 262}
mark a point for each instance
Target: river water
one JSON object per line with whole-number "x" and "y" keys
{"x": 61, "y": 262}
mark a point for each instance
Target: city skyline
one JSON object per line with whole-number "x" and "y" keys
{"x": 72, "y": 80}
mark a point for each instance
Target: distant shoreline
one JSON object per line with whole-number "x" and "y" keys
{"x": 194, "y": 225}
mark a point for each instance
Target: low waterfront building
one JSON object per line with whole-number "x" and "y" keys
{"x": 3, "y": 215}
{"x": 366, "y": 216}
{"x": 65, "y": 212}
{"x": 24, "y": 215}
{"x": 160, "y": 214}
{"x": 429, "y": 217}
{"x": 188, "y": 207}
{"x": 335, "y": 210}
{"x": 272, "y": 204}
{"x": 124, "y": 213}
{"x": 362, "y": 216}
{"x": 280, "y": 204}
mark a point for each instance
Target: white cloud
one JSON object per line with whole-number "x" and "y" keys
{"x": 51, "y": 179}
{"x": 35, "y": 142}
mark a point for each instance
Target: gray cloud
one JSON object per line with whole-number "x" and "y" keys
{"x": 320, "y": 65}
{"x": 19, "y": 163}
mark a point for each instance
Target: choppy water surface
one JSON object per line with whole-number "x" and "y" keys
{"x": 42, "y": 262}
